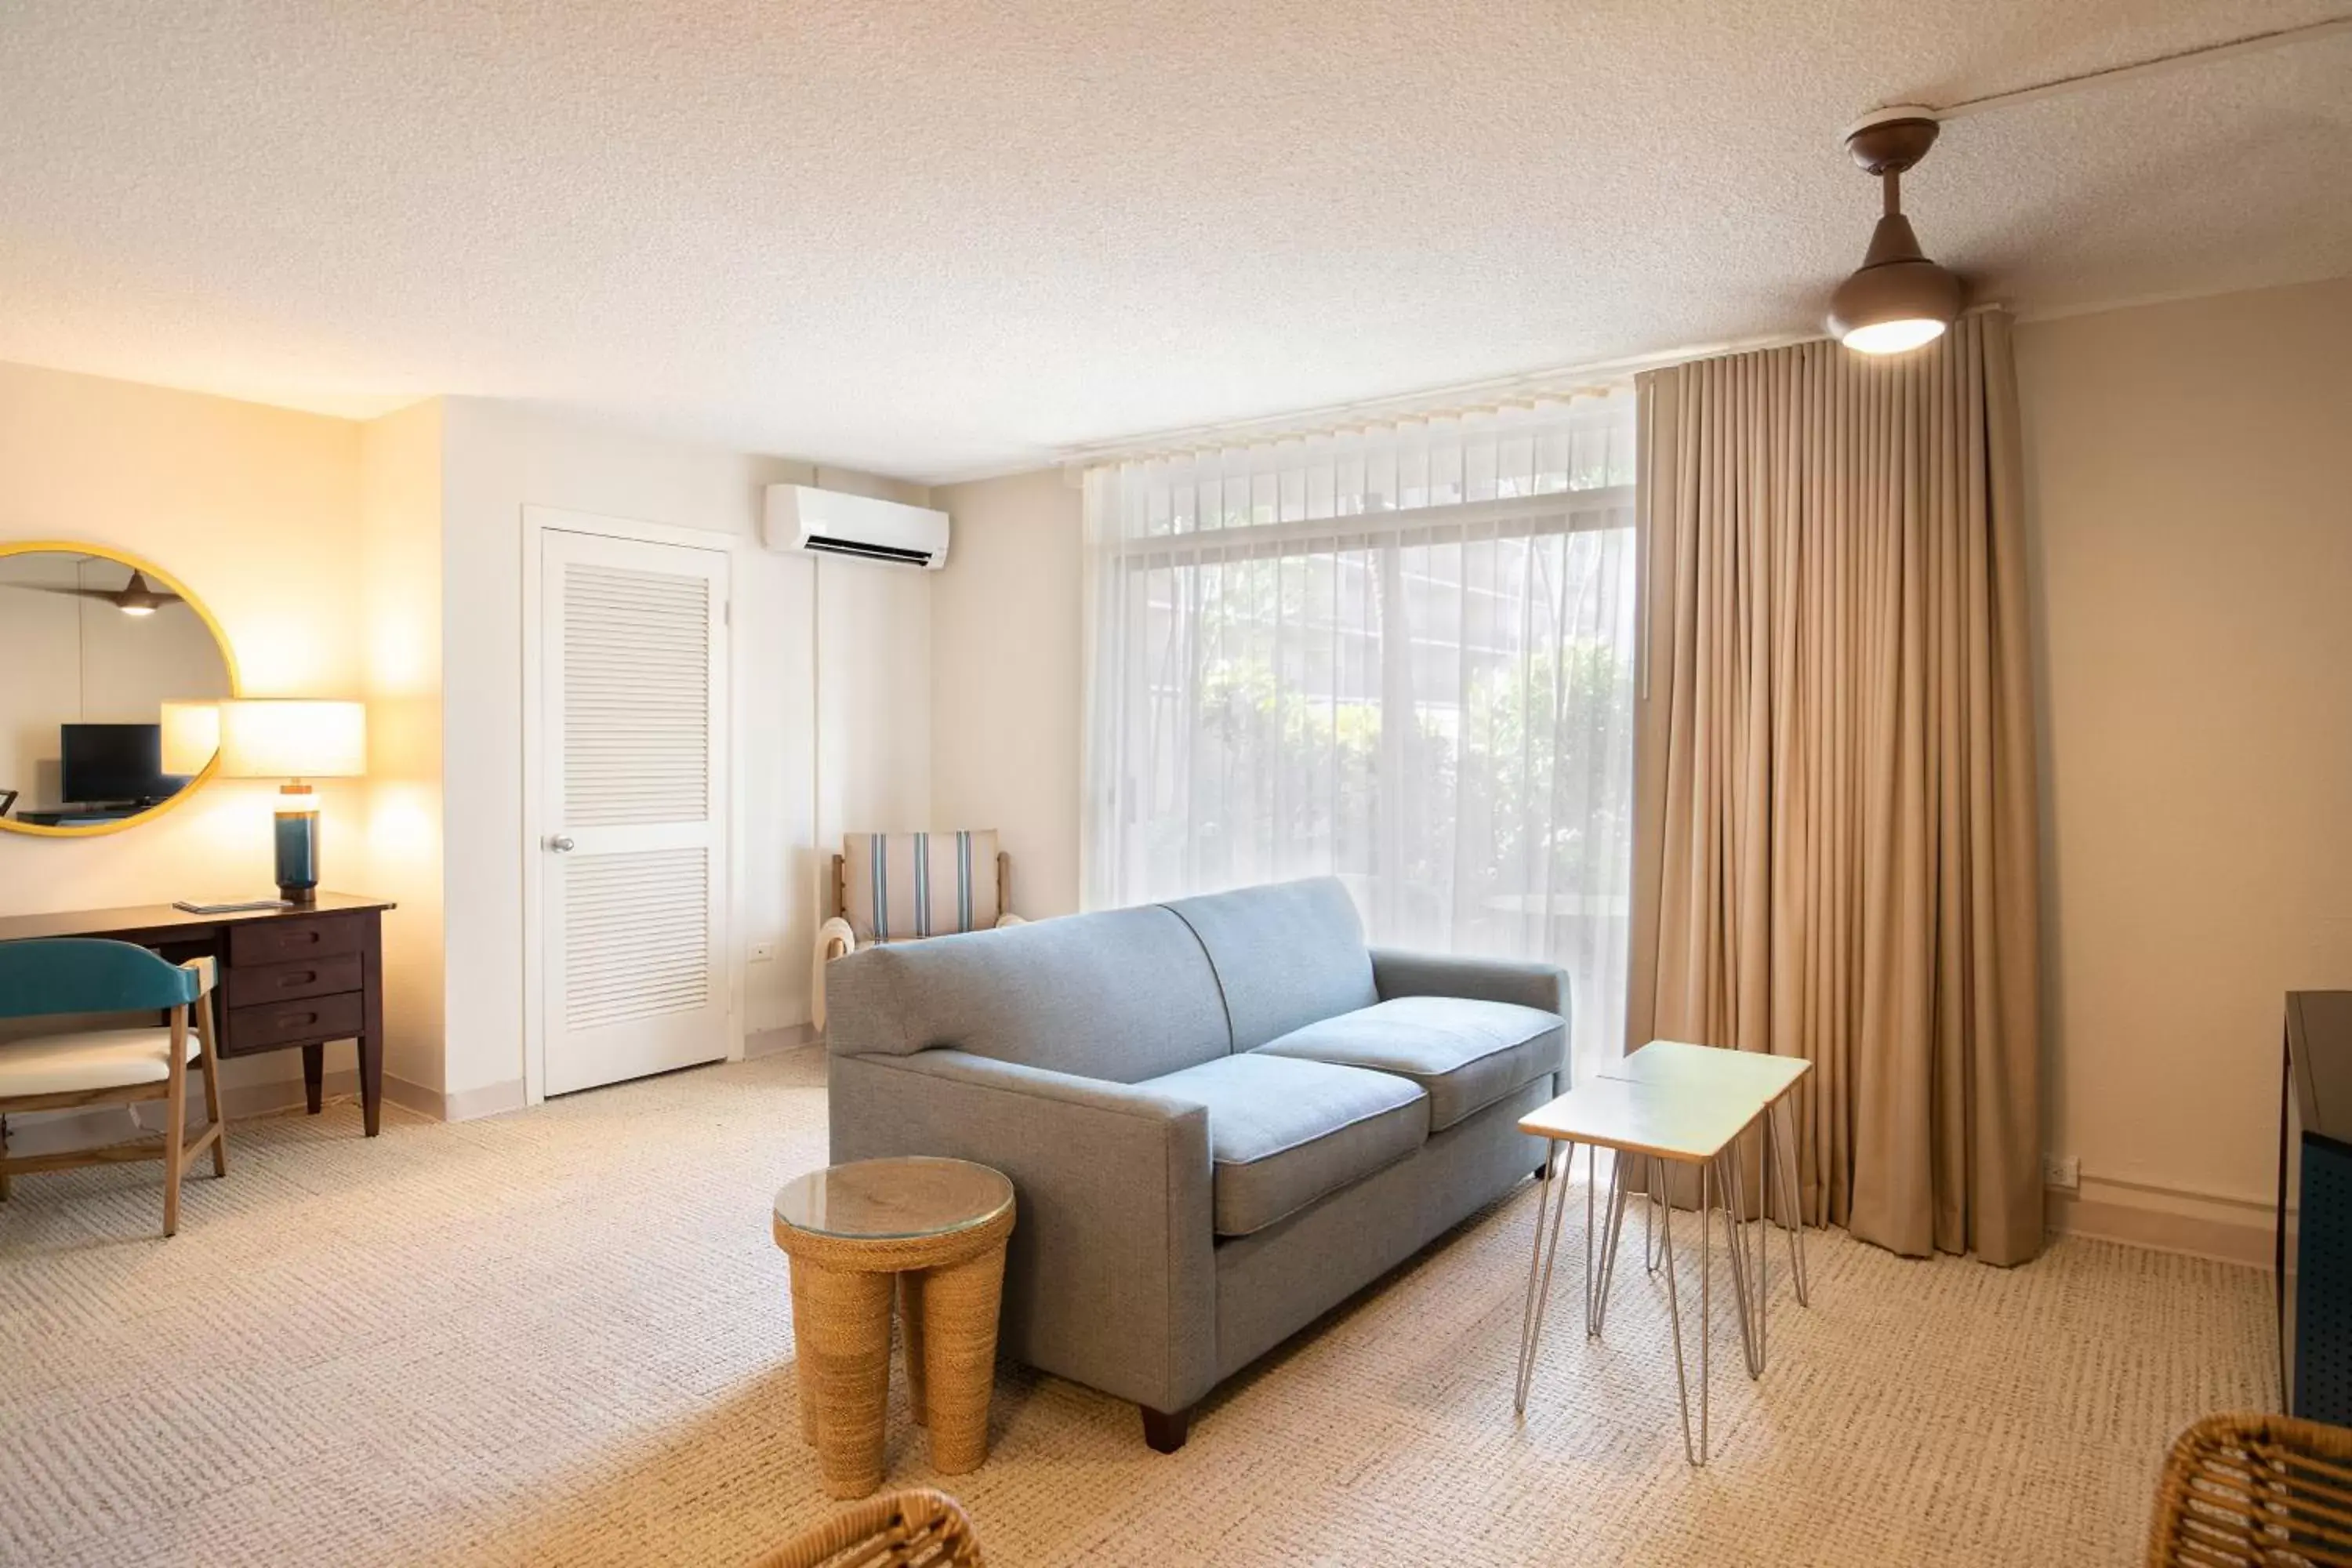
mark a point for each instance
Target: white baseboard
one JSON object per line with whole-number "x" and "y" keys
{"x": 2165, "y": 1219}
{"x": 769, "y": 1042}
{"x": 467, "y": 1104}
{"x": 49, "y": 1132}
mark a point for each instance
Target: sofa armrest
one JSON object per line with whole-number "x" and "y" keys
{"x": 1523, "y": 981}
{"x": 1111, "y": 1279}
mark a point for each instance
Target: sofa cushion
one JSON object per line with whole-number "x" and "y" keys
{"x": 1124, "y": 995}
{"x": 1286, "y": 954}
{"x": 1466, "y": 1055}
{"x": 1285, "y": 1132}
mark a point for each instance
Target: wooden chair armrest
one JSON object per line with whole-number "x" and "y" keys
{"x": 834, "y": 939}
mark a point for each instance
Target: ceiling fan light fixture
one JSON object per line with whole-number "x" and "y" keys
{"x": 1897, "y": 300}
{"x": 136, "y": 598}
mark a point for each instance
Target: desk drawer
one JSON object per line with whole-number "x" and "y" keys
{"x": 291, "y": 1023}
{"x": 287, "y": 942}
{"x": 254, "y": 985}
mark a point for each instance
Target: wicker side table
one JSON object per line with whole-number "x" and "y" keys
{"x": 932, "y": 1232}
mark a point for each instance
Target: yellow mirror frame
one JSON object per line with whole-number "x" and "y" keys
{"x": 159, "y": 577}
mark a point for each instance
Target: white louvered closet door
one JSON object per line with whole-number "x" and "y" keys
{"x": 634, "y": 890}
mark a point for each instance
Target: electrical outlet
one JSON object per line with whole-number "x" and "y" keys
{"x": 2063, "y": 1172}
{"x": 763, "y": 951}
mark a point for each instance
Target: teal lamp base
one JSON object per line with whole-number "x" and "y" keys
{"x": 298, "y": 844}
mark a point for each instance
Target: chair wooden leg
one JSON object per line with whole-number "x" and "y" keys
{"x": 3, "y": 1159}
{"x": 211, "y": 1084}
{"x": 175, "y": 1121}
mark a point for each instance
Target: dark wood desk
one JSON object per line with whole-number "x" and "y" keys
{"x": 292, "y": 977}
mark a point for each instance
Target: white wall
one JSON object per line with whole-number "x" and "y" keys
{"x": 1005, "y": 686}
{"x": 2190, "y": 498}
{"x": 400, "y": 589}
{"x": 499, "y": 458}
{"x": 874, "y": 697}
{"x": 255, "y": 510}
{"x": 874, "y": 707}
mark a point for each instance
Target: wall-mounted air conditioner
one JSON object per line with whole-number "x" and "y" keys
{"x": 809, "y": 521}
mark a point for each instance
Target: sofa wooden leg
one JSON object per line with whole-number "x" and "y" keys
{"x": 1164, "y": 1430}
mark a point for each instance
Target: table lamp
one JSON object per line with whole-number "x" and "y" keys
{"x": 190, "y": 738}
{"x": 295, "y": 741}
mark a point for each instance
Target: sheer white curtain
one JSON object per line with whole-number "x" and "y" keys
{"x": 1403, "y": 655}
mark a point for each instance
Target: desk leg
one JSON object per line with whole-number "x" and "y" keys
{"x": 314, "y": 1075}
{"x": 372, "y": 1033}
{"x": 372, "y": 1077}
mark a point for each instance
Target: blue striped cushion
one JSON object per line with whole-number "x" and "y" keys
{"x": 901, "y": 886}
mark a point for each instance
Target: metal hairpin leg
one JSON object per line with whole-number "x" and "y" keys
{"x": 1731, "y": 1191}
{"x": 1763, "y": 1265}
{"x": 1650, "y": 1200}
{"x": 1612, "y": 1230}
{"x": 1675, "y": 1314}
{"x": 1706, "y": 1310}
{"x": 1591, "y": 1182}
{"x": 1785, "y": 1172}
{"x": 1539, "y": 1270}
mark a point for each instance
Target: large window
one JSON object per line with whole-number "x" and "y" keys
{"x": 1402, "y": 656}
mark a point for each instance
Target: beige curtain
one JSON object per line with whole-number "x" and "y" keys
{"x": 1834, "y": 830}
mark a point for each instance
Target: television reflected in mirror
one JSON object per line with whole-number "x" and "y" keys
{"x": 94, "y": 644}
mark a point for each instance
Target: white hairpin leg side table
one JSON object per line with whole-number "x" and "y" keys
{"x": 1663, "y": 1125}
{"x": 1773, "y": 1081}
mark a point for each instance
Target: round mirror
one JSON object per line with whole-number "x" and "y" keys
{"x": 107, "y": 668}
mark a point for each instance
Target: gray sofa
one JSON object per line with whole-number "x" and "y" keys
{"x": 1223, "y": 1116}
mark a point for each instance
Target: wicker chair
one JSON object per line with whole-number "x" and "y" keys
{"x": 2254, "y": 1490}
{"x": 915, "y": 1528}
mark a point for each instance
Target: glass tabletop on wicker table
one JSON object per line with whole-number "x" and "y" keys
{"x": 876, "y": 1200}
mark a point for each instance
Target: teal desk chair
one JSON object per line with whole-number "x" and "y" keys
{"x": 110, "y": 1065}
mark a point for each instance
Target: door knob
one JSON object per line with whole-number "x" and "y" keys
{"x": 562, "y": 844}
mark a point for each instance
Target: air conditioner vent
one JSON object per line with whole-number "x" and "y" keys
{"x": 833, "y": 546}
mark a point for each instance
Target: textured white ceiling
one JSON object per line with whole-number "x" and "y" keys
{"x": 946, "y": 238}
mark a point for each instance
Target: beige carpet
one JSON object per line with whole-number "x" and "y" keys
{"x": 561, "y": 1337}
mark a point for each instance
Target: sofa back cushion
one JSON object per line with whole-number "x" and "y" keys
{"x": 1286, "y": 955}
{"x": 1125, "y": 994}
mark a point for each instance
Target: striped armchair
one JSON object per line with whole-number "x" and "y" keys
{"x": 903, "y": 887}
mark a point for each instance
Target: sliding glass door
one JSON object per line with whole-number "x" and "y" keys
{"x": 1295, "y": 675}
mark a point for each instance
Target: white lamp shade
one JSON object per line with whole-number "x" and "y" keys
{"x": 276, "y": 739}
{"x": 190, "y": 737}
